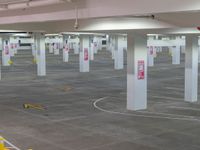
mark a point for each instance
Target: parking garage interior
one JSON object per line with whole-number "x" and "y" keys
{"x": 91, "y": 75}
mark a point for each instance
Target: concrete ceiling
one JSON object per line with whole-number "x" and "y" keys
{"x": 106, "y": 15}
{"x": 10, "y": 1}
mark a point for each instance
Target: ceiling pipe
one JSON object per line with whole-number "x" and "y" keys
{"x": 76, "y": 24}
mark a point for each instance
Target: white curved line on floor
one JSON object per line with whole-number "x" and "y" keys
{"x": 12, "y": 146}
{"x": 141, "y": 115}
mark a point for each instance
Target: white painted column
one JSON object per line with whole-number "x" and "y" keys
{"x": 182, "y": 49}
{"x": 136, "y": 72}
{"x": 51, "y": 48}
{"x": 13, "y": 46}
{"x": 41, "y": 56}
{"x": 154, "y": 52}
{"x": 150, "y": 56}
{"x": 33, "y": 49}
{"x": 91, "y": 51}
{"x": 84, "y": 53}
{"x": 1, "y": 47}
{"x": 12, "y": 52}
{"x": 113, "y": 47}
{"x": 34, "y": 52}
{"x": 110, "y": 44}
{"x": 160, "y": 47}
{"x": 99, "y": 44}
{"x": 6, "y": 52}
{"x": 66, "y": 50}
{"x": 176, "y": 52}
{"x": 119, "y": 53}
{"x": 56, "y": 49}
{"x": 107, "y": 42}
{"x": 77, "y": 46}
{"x": 95, "y": 45}
{"x": 199, "y": 55}
{"x": 191, "y": 68}
{"x": 16, "y": 45}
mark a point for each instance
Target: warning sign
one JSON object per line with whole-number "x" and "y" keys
{"x": 86, "y": 54}
{"x": 141, "y": 69}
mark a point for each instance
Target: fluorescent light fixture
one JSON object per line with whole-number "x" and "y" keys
{"x": 21, "y": 34}
{"x": 82, "y": 33}
{"x": 10, "y": 31}
{"x": 54, "y": 34}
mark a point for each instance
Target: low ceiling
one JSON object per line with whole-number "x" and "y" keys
{"x": 163, "y": 23}
{"x": 60, "y": 17}
{"x": 10, "y": 1}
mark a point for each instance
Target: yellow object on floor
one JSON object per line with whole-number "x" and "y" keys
{"x": 2, "y": 146}
{"x": 10, "y": 62}
{"x": 33, "y": 106}
{"x": 34, "y": 61}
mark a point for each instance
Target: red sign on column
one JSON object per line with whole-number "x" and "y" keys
{"x": 86, "y": 55}
{"x": 66, "y": 47}
{"x": 141, "y": 69}
{"x": 6, "y": 50}
{"x": 57, "y": 45}
{"x": 151, "y": 50}
{"x": 12, "y": 45}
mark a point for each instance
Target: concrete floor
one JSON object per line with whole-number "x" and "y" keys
{"x": 70, "y": 120}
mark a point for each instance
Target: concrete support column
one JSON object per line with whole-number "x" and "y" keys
{"x": 107, "y": 41}
{"x": 182, "y": 49}
{"x": 113, "y": 47}
{"x": 84, "y": 53}
{"x": 191, "y": 68}
{"x": 160, "y": 48}
{"x": 95, "y": 41}
{"x": 34, "y": 52}
{"x": 16, "y": 46}
{"x": 99, "y": 44}
{"x": 176, "y": 52}
{"x": 119, "y": 53}
{"x": 33, "y": 49}
{"x": 92, "y": 50}
{"x": 6, "y": 52}
{"x": 66, "y": 50}
{"x": 51, "y": 48}
{"x": 77, "y": 46}
{"x": 154, "y": 52}
{"x": 110, "y": 44}
{"x": 150, "y": 56}
{"x": 199, "y": 55}
{"x": 56, "y": 48}
{"x": 12, "y": 50}
{"x": 136, "y": 72}
{"x": 41, "y": 56}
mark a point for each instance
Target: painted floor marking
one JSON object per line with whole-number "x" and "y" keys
{"x": 11, "y": 146}
{"x": 182, "y": 118}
